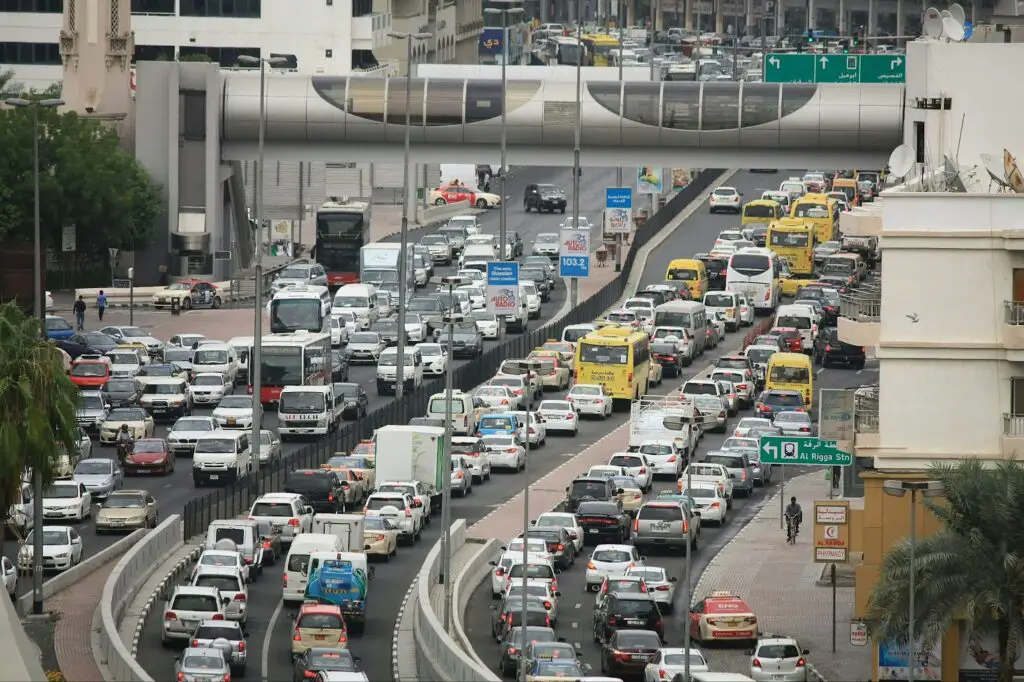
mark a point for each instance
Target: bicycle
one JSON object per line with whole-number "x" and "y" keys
{"x": 792, "y": 529}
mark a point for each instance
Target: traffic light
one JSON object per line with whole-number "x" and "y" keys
{"x": 809, "y": 36}
{"x": 845, "y": 44}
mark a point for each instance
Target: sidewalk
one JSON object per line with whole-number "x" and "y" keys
{"x": 72, "y": 639}
{"x": 781, "y": 585}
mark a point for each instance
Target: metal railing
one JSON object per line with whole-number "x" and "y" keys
{"x": 243, "y": 284}
{"x": 1013, "y": 312}
{"x": 865, "y": 410}
{"x": 1013, "y": 425}
{"x": 860, "y": 308}
{"x": 385, "y": 67}
{"x": 237, "y": 497}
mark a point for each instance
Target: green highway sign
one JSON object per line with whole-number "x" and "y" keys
{"x": 786, "y": 450}
{"x": 798, "y": 67}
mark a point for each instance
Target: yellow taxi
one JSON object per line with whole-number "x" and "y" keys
{"x": 632, "y": 497}
{"x": 691, "y": 272}
{"x": 380, "y": 537}
{"x": 723, "y": 617}
{"x": 790, "y": 284}
{"x": 137, "y": 348}
{"x": 359, "y": 465}
{"x": 318, "y": 625}
{"x": 566, "y": 350}
{"x": 553, "y": 372}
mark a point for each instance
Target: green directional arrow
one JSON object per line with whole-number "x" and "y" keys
{"x": 789, "y": 68}
{"x": 883, "y": 68}
{"x": 836, "y": 68}
{"x": 805, "y": 451}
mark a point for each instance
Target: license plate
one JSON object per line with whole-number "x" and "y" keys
{"x": 214, "y": 477}
{"x": 231, "y": 422}
{"x": 778, "y": 677}
{"x": 634, "y": 621}
{"x": 320, "y": 638}
{"x": 639, "y": 657}
{"x": 592, "y": 530}
{"x": 190, "y": 624}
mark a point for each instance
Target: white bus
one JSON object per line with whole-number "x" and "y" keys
{"x": 756, "y": 273}
{"x": 300, "y": 308}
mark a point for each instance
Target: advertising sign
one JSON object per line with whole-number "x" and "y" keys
{"x": 892, "y": 662}
{"x": 681, "y": 178}
{"x": 831, "y": 531}
{"x": 836, "y": 414}
{"x": 649, "y": 180}
{"x": 618, "y": 210}
{"x": 979, "y": 656}
{"x": 574, "y": 253}
{"x": 503, "y": 288}
{"x": 68, "y": 240}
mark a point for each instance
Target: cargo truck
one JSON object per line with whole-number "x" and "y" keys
{"x": 412, "y": 453}
{"x": 379, "y": 262}
{"x": 346, "y": 527}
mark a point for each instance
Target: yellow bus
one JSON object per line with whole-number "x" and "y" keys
{"x": 600, "y": 47}
{"x": 791, "y": 372}
{"x": 617, "y": 358}
{"x": 793, "y": 239}
{"x": 761, "y": 211}
{"x": 691, "y": 272}
{"x": 820, "y": 210}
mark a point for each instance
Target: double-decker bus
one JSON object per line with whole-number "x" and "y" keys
{"x": 617, "y": 358}
{"x": 295, "y": 359}
{"x": 755, "y": 272}
{"x": 342, "y": 229}
{"x": 794, "y": 240}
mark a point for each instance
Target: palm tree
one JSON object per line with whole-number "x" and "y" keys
{"x": 38, "y": 405}
{"x": 8, "y": 86}
{"x": 971, "y": 570}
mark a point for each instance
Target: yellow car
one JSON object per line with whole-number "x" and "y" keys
{"x": 360, "y": 465}
{"x": 140, "y": 424}
{"x": 655, "y": 375}
{"x": 566, "y": 351}
{"x": 792, "y": 287}
{"x": 137, "y": 348}
{"x": 318, "y": 625}
{"x": 380, "y": 537}
{"x": 553, "y": 372}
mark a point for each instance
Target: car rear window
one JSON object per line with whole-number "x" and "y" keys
{"x": 628, "y": 461}
{"x": 303, "y": 482}
{"x": 216, "y": 631}
{"x": 597, "y": 489}
{"x": 778, "y": 651}
{"x": 271, "y": 509}
{"x": 729, "y": 462}
{"x": 637, "y": 607}
{"x": 326, "y": 621}
{"x": 236, "y": 535}
{"x": 224, "y": 583}
{"x": 661, "y": 512}
{"x": 194, "y": 602}
{"x": 541, "y": 571}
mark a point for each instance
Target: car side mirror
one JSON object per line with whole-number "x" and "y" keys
{"x": 566, "y": 488}
{"x": 533, "y": 522}
{"x": 573, "y": 536}
{"x": 805, "y": 652}
{"x": 307, "y": 509}
{"x": 558, "y": 593}
{"x": 695, "y": 513}
{"x": 673, "y": 579}
{"x": 225, "y": 600}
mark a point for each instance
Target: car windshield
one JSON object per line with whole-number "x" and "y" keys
{"x": 547, "y": 238}
{"x": 208, "y": 380}
{"x": 217, "y": 446}
{"x": 188, "y": 424}
{"x": 62, "y": 490}
{"x": 790, "y": 375}
{"x": 793, "y": 417}
{"x": 124, "y": 501}
{"x": 236, "y": 402}
{"x": 295, "y": 273}
{"x": 126, "y": 414}
{"x": 119, "y": 385}
{"x": 365, "y": 337}
{"x": 93, "y": 466}
{"x": 90, "y": 402}
{"x": 51, "y": 536}
{"x": 163, "y": 389}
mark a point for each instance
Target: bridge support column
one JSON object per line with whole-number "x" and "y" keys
{"x": 749, "y": 13}
{"x": 810, "y": 14}
{"x": 900, "y": 17}
{"x": 719, "y": 16}
{"x": 688, "y": 11}
{"x": 630, "y": 12}
{"x": 872, "y": 18}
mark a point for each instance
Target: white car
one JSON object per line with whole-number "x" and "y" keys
{"x": 288, "y": 512}
{"x": 497, "y": 397}
{"x": 505, "y": 452}
{"x": 474, "y": 276}
{"x": 62, "y": 549}
{"x": 679, "y": 337}
{"x": 477, "y": 299}
{"x": 536, "y": 549}
{"x": 130, "y": 334}
{"x": 561, "y": 520}
{"x": 747, "y": 312}
{"x": 207, "y": 388}
{"x": 489, "y": 324}
{"x": 461, "y": 480}
{"x": 10, "y": 575}
{"x": 67, "y": 499}
{"x": 502, "y": 567}
{"x": 124, "y": 363}
{"x": 415, "y": 327}
{"x": 347, "y": 318}
{"x": 435, "y": 358}
{"x": 726, "y": 199}
{"x": 666, "y": 459}
{"x": 670, "y": 662}
{"x": 182, "y": 437}
{"x": 606, "y": 471}
{"x": 237, "y": 412}
{"x": 610, "y": 561}
{"x": 792, "y": 423}
{"x": 471, "y": 451}
{"x": 185, "y": 340}
{"x": 540, "y": 589}
{"x": 140, "y": 424}
{"x": 644, "y": 307}
{"x": 590, "y": 399}
{"x": 708, "y": 472}
{"x": 221, "y": 557}
{"x": 743, "y": 388}
{"x": 560, "y": 416}
{"x": 400, "y": 510}
{"x": 365, "y": 347}
{"x": 662, "y": 586}
{"x": 339, "y": 332}
{"x": 537, "y": 433}
{"x": 713, "y": 505}
{"x": 636, "y": 465}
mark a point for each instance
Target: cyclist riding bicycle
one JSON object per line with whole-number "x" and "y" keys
{"x": 794, "y": 517}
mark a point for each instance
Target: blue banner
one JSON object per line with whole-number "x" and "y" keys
{"x": 492, "y": 41}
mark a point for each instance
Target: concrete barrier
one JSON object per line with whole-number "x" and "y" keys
{"x": 161, "y": 593}
{"x": 121, "y": 587}
{"x": 476, "y": 570}
{"x": 73, "y": 575}
{"x": 22, "y": 658}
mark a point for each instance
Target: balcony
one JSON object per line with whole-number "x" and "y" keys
{"x": 860, "y": 317}
{"x": 384, "y": 69}
{"x": 370, "y": 31}
{"x": 1012, "y": 439}
{"x": 1013, "y": 326}
{"x": 865, "y": 419}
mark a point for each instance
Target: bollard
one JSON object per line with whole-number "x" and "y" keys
{"x": 175, "y": 307}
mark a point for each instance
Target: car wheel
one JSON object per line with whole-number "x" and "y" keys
{"x": 439, "y": 202}
{"x": 216, "y": 302}
{"x": 526, "y": 206}
{"x": 481, "y": 203}
{"x": 563, "y": 209}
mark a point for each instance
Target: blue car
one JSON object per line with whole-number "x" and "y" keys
{"x": 499, "y": 424}
{"x": 58, "y": 328}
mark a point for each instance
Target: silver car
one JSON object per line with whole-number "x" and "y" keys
{"x": 748, "y": 424}
{"x": 270, "y": 446}
{"x": 749, "y": 447}
{"x": 365, "y": 347}
{"x": 226, "y": 635}
{"x": 779, "y": 659}
{"x": 740, "y": 470}
{"x": 302, "y": 274}
{"x": 462, "y": 476}
{"x": 744, "y": 389}
{"x": 660, "y": 584}
{"x": 200, "y": 664}
{"x": 794, "y": 424}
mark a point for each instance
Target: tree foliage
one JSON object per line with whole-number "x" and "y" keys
{"x": 38, "y": 404}
{"x": 86, "y": 179}
{"x": 195, "y": 57}
{"x": 973, "y": 569}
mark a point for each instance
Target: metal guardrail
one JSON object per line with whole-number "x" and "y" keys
{"x": 243, "y": 284}
{"x": 1013, "y": 425}
{"x": 865, "y": 410}
{"x": 1013, "y": 312}
{"x": 860, "y": 308}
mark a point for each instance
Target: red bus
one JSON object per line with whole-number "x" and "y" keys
{"x": 295, "y": 359}
{"x": 342, "y": 229}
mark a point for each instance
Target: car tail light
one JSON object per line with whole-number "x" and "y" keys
{"x": 227, "y": 677}
{"x": 266, "y": 545}
{"x": 722, "y": 414}
{"x": 662, "y": 674}
{"x": 309, "y": 674}
{"x": 240, "y": 596}
{"x": 296, "y": 637}
{"x": 181, "y": 677}
{"x": 559, "y": 547}
{"x": 195, "y": 642}
{"x": 512, "y": 651}
{"x": 518, "y": 391}
{"x": 408, "y": 512}
{"x": 629, "y": 377}
{"x": 170, "y": 615}
{"x": 218, "y": 616}
{"x": 741, "y": 386}
{"x": 570, "y": 416}
{"x": 294, "y": 523}
{"x": 499, "y": 572}
{"x": 241, "y": 646}
{"x": 284, "y": 580}
{"x": 458, "y": 474}
{"x": 805, "y": 429}
{"x": 643, "y": 470}
{"x": 636, "y": 525}
{"x": 801, "y": 662}
{"x": 532, "y": 430}
{"x": 712, "y": 621}
{"x": 547, "y": 605}
{"x": 716, "y": 505}
{"x": 662, "y": 588}
{"x": 672, "y": 458}
{"x": 343, "y": 637}
{"x": 511, "y": 451}
{"x": 504, "y": 401}
{"x": 621, "y": 655}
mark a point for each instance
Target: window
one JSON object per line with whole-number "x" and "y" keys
{"x": 193, "y": 107}
{"x": 365, "y": 98}
{"x": 681, "y": 106}
{"x": 397, "y": 105}
{"x": 29, "y": 53}
{"x": 39, "y": 6}
{"x": 642, "y": 103}
{"x": 153, "y": 7}
{"x": 607, "y": 94}
{"x": 760, "y": 104}
{"x": 483, "y": 99}
{"x": 225, "y": 56}
{"x": 231, "y": 9}
{"x": 153, "y": 53}
{"x": 720, "y": 107}
{"x": 795, "y": 96}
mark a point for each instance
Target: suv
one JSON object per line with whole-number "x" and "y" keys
{"x": 229, "y": 630}
{"x": 92, "y": 411}
{"x": 166, "y": 398}
{"x": 321, "y": 488}
{"x": 588, "y": 488}
{"x": 187, "y": 607}
{"x": 775, "y": 657}
{"x": 543, "y": 198}
{"x": 626, "y": 611}
{"x": 834, "y": 351}
{"x": 739, "y": 467}
{"x": 664, "y": 524}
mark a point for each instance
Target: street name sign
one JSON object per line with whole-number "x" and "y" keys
{"x": 813, "y": 451}
{"x": 797, "y": 67}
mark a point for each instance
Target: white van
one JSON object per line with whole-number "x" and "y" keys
{"x": 296, "y": 569}
{"x": 308, "y": 411}
{"x": 216, "y": 357}
{"x": 361, "y": 299}
{"x": 242, "y": 532}
{"x": 727, "y": 303}
{"x": 802, "y": 318}
{"x": 242, "y": 345}
{"x": 691, "y": 315}
{"x": 465, "y": 414}
{"x": 221, "y": 457}
{"x": 387, "y": 369}
{"x": 477, "y": 252}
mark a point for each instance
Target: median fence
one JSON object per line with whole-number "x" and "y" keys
{"x": 237, "y": 497}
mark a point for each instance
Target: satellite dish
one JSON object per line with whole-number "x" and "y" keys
{"x": 901, "y": 161}
{"x": 995, "y": 170}
{"x": 932, "y": 23}
{"x": 951, "y": 170}
{"x": 1014, "y": 178}
{"x": 953, "y": 29}
{"x": 958, "y": 13}
{"x": 945, "y": 13}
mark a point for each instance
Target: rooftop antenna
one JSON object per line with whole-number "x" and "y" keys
{"x": 1013, "y": 175}
{"x": 901, "y": 161}
{"x": 958, "y": 13}
{"x": 953, "y": 29}
{"x": 932, "y": 23}
{"x": 951, "y": 171}
{"x": 996, "y": 173}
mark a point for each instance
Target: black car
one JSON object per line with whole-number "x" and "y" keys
{"x": 627, "y": 652}
{"x": 508, "y": 661}
{"x": 716, "y": 268}
{"x": 311, "y": 661}
{"x": 627, "y": 610}
{"x": 559, "y": 542}
{"x": 122, "y": 392}
{"x": 467, "y": 341}
{"x": 96, "y": 342}
{"x": 339, "y": 366}
{"x": 388, "y": 330}
{"x": 836, "y": 352}
{"x": 356, "y": 400}
{"x": 544, "y": 198}
{"x": 321, "y": 487}
{"x": 539, "y": 278}
{"x": 603, "y": 521}
{"x": 759, "y": 235}
{"x": 508, "y": 613}
{"x": 588, "y": 488}
{"x": 669, "y": 357}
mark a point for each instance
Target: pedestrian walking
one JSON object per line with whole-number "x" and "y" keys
{"x": 101, "y": 304}
{"x": 79, "y": 309}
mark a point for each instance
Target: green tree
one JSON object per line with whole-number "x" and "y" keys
{"x": 195, "y": 57}
{"x": 972, "y": 569}
{"x": 38, "y": 403}
{"x": 8, "y": 86}
{"x": 87, "y": 180}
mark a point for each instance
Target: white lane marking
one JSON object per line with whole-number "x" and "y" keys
{"x": 267, "y": 637}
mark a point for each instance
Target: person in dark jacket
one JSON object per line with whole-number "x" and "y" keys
{"x": 79, "y": 310}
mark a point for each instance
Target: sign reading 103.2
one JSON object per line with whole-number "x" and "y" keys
{"x": 812, "y": 451}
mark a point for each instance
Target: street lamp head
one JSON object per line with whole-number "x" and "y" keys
{"x": 248, "y": 59}
{"x": 276, "y": 61}
{"x": 398, "y": 35}
{"x": 423, "y": 36}
{"x": 17, "y": 102}
{"x": 21, "y": 102}
{"x": 893, "y": 488}
{"x": 900, "y": 488}
{"x": 50, "y": 103}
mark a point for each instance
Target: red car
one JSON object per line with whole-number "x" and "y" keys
{"x": 90, "y": 373}
{"x": 791, "y": 336}
{"x": 455, "y": 192}
{"x": 151, "y": 455}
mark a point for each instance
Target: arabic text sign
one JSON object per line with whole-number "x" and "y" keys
{"x": 502, "y": 287}
{"x": 835, "y": 68}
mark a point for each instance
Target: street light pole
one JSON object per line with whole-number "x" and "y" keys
{"x": 574, "y": 290}
{"x": 687, "y": 635}
{"x": 621, "y": 7}
{"x": 39, "y": 311}
{"x": 403, "y": 288}
{"x": 503, "y": 171}
{"x": 531, "y": 366}
{"x": 255, "y": 362}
